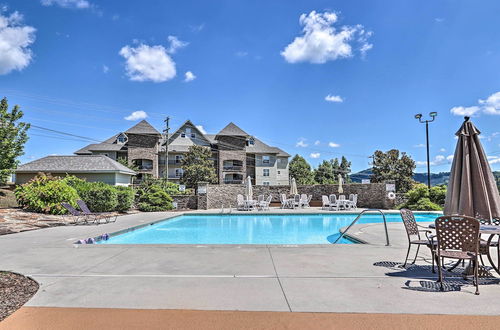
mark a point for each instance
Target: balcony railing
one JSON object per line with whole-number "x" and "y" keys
{"x": 145, "y": 167}
{"x": 232, "y": 168}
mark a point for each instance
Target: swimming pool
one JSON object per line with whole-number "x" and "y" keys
{"x": 251, "y": 229}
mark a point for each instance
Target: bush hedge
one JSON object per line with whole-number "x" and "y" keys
{"x": 153, "y": 199}
{"x": 125, "y": 198}
{"x": 99, "y": 197}
{"x": 420, "y": 199}
{"x": 45, "y": 194}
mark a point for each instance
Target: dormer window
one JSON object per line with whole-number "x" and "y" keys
{"x": 250, "y": 142}
{"x": 121, "y": 138}
{"x": 193, "y": 135}
{"x": 183, "y": 135}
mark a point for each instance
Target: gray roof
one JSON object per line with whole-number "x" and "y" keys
{"x": 232, "y": 130}
{"x": 107, "y": 145}
{"x": 74, "y": 164}
{"x": 143, "y": 127}
{"x": 260, "y": 147}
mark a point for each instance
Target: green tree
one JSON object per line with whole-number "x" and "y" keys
{"x": 13, "y": 136}
{"x": 197, "y": 166}
{"x": 301, "y": 170}
{"x": 125, "y": 163}
{"x": 393, "y": 165}
{"x": 324, "y": 173}
{"x": 345, "y": 169}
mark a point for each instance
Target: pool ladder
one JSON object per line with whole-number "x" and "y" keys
{"x": 357, "y": 218}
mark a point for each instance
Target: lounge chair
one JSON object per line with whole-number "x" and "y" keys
{"x": 97, "y": 217}
{"x": 458, "y": 238}
{"x": 414, "y": 238}
{"x": 342, "y": 202}
{"x": 78, "y": 216}
{"x": 305, "y": 200}
{"x": 296, "y": 201}
{"x": 264, "y": 205}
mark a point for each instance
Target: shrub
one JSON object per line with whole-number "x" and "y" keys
{"x": 419, "y": 198}
{"x": 167, "y": 186}
{"x": 154, "y": 199}
{"x": 45, "y": 194}
{"x": 125, "y": 198}
{"x": 99, "y": 196}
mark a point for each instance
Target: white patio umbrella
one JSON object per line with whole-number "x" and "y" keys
{"x": 293, "y": 187}
{"x": 341, "y": 182}
{"x": 248, "y": 188}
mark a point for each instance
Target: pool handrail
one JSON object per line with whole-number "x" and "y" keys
{"x": 357, "y": 218}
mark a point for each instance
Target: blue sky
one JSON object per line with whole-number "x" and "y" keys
{"x": 318, "y": 78}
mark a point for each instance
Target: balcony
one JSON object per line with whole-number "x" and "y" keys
{"x": 145, "y": 167}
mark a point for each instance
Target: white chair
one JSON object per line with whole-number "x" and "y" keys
{"x": 308, "y": 202}
{"x": 264, "y": 205}
{"x": 296, "y": 201}
{"x": 284, "y": 201}
{"x": 303, "y": 200}
{"x": 334, "y": 203}
{"x": 353, "y": 201}
{"x": 240, "y": 202}
{"x": 342, "y": 202}
{"x": 325, "y": 201}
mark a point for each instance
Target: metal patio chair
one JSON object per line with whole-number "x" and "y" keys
{"x": 78, "y": 216}
{"x": 96, "y": 216}
{"x": 414, "y": 238}
{"x": 458, "y": 238}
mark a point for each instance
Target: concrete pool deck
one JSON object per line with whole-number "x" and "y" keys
{"x": 351, "y": 278}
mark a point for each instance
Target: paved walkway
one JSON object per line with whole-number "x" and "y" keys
{"x": 327, "y": 278}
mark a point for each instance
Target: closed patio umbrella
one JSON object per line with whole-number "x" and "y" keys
{"x": 293, "y": 187}
{"x": 248, "y": 188}
{"x": 471, "y": 190}
{"x": 341, "y": 181}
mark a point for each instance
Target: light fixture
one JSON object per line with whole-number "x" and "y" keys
{"x": 418, "y": 116}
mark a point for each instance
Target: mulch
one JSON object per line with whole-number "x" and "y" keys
{"x": 15, "y": 291}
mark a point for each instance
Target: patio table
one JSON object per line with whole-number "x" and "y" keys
{"x": 492, "y": 231}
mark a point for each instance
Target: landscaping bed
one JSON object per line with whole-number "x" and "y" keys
{"x": 15, "y": 291}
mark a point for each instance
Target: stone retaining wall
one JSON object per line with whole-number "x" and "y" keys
{"x": 185, "y": 202}
{"x": 373, "y": 195}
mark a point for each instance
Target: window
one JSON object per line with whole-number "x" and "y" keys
{"x": 183, "y": 135}
{"x": 122, "y": 138}
{"x": 178, "y": 158}
{"x": 250, "y": 142}
{"x": 265, "y": 183}
{"x": 178, "y": 172}
{"x": 265, "y": 159}
{"x": 193, "y": 136}
{"x": 265, "y": 172}
{"x": 279, "y": 172}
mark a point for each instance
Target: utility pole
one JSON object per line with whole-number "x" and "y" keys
{"x": 166, "y": 130}
{"x": 419, "y": 118}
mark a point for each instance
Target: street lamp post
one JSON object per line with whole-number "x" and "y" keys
{"x": 433, "y": 117}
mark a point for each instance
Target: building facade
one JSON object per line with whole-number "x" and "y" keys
{"x": 235, "y": 153}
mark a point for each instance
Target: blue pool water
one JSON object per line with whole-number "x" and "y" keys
{"x": 251, "y": 229}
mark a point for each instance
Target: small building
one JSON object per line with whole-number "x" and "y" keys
{"x": 92, "y": 168}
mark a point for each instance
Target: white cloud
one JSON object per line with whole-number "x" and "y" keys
{"x": 333, "y": 145}
{"x": 197, "y": 28}
{"x": 317, "y": 143}
{"x": 492, "y": 104}
{"x": 302, "y": 143}
{"x": 201, "y": 129}
{"x": 315, "y": 155}
{"x": 334, "y": 98}
{"x": 321, "y": 41}
{"x": 15, "y": 40}
{"x": 442, "y": 150}
{"x": 493, "y": 160}
{"x": 136, "y": 115}
{"x": 148, "y": 63}
{"x": 241, "y": 53}
{"x": 105, "y": 68}
{"x": 175, "y": 44}
{"x": 420, "y": 145}
{"x": 77, "y": 4}
{"x": 465, "y": 111}
{"x": 438, "y": 160}
{"x": 189, "y": 76}
{"x": 439, "y": 20}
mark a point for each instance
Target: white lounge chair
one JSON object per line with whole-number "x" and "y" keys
{"x": 342, "y": 202}
{"x": 284, "y": 201}
{"x": 296, "y": 201}
{"x": 240, "y": 202}
{"x": 353, "y": 201}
